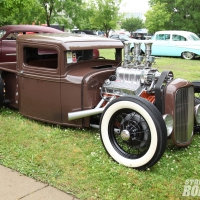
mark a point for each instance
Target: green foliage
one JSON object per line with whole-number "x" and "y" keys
{"x": 40, "y": 11}
{"x": 132, "y": 24}
{"x": 184, "y": 15}
{"x": 157, "y": 18}
{"x": 20, "y": 12}
{"x": 104, "y": 14}
{"x": 93, "y": 14}
{"x": 61, "y": 11}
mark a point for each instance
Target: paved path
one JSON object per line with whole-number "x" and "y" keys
{"x": 14, "y": 186}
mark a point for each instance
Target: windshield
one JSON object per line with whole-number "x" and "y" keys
{"x": 92, "y": 54}
{"x": 193, "y": 37}
{"x": 124, "y": 37}
{"x": 2, "y": 33}
{"x": 153, "y": 37}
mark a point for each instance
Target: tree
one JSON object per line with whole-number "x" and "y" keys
{"x": 104, "y": 14}
{"x": 97, "y": 14}
{"x": 67, "y": 12}
{"x": 132, "y": 24}
{"x": 157, "y": 18}
{"x": 63, "y": 11}
{"x": 86, "y": 13}
{"x": 19, "y": 11}
{"x": 184, "y": 14}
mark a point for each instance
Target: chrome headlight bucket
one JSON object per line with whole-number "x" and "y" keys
{"x": 168, "y": 119}
{"x": 197, "y": 113}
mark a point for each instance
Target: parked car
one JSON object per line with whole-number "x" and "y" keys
{"x": 9, "y": 33}
{"x": 77, "y": 31}
{"x": 183, "y": 44}
{"x": 122, "y": 37}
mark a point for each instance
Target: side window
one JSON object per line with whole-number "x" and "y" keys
{"x": 178, "y": 38}
{"x": 167, "y": 36}
{"x": 41, "y": 57}
{"x": 162, "y": 36}
{"x": 159, "y": 36}
{"x": 12, "y": 36}
{"x": 183, "y": 38}
{"x": 115, "y": 36}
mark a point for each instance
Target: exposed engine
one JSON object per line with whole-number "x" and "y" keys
{"x": 173, "y": 98}
{"x": 132, "y": 129}
{"x": 136, "y": 76}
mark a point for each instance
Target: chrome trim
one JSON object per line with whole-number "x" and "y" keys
{"x": 84, "y": 113}
{"x": 11, "y": 54}
{"x": 168, "y": 119}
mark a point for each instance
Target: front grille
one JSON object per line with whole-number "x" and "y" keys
{"x": 184, "y": 115}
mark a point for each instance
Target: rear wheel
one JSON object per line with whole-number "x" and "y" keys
{"x": 188, "y": 55}
{"x": 133, "y": 132}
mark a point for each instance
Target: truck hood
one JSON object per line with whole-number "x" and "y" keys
{"x": 76, "y": 74}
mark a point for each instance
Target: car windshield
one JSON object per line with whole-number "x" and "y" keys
{"x": 90, "y": 54}
{"x": 2, "y": 33}
{"x": 124, "y": 36}
{"x": 193, "y": 37}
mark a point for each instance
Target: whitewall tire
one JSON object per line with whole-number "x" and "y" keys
{"x": 133, "y": 132}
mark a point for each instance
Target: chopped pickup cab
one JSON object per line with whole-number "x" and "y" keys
{"x": 9, "y": 33}
{"x": 57, "y": 79}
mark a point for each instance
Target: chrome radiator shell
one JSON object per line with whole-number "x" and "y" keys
{"x": 179, "y": 95}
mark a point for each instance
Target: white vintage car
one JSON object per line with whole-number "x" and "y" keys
{"x": 183, "y": 44}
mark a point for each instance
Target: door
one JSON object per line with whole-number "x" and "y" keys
{"x": 161, "y": 45}
{"x": 39, "y": 84}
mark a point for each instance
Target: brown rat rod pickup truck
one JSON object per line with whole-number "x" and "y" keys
{"x": 56, "y": 79}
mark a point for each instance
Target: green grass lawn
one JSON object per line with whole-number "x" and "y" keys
{"x": 187, "y": 69}
{"x": 75, "y": 161}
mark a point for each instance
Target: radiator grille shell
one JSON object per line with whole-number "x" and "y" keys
{"x": 179, "y": 102}
{"x": 184, "y": 115}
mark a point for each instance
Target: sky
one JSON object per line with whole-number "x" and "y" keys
{"x": 134, "y": 6}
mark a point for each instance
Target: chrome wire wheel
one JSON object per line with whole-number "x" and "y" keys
{"x": 133, "y": 139}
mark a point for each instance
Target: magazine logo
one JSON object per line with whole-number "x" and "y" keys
{"x": 191, "y": 188}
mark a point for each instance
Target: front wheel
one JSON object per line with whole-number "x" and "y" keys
{"x": 188, "y": 55}
{"x": 133, "y": 132}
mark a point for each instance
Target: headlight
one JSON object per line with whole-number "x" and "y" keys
{"x": 197, "y": 113}
{"x": 168, "y": 119}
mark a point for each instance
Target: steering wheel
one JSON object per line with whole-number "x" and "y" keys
{"x": 80, "y": 58}
{"x": 100, "y": 57}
